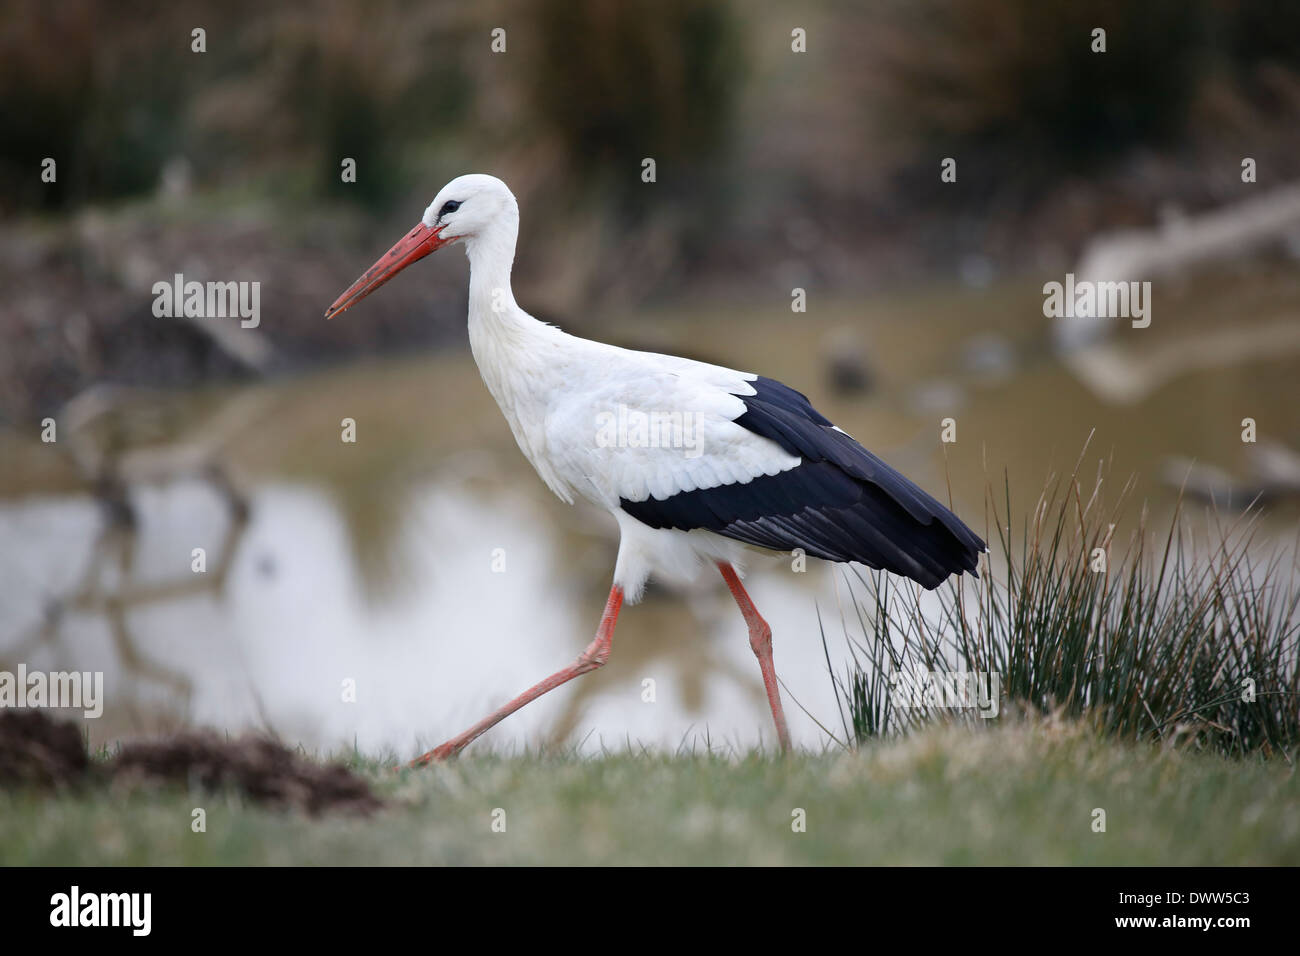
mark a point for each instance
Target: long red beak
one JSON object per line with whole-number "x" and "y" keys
{"x": 413, "y": 247}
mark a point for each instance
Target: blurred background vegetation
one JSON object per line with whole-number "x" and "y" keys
{"x": 753, "y": 144}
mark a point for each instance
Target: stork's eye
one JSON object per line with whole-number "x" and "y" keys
{"x": 451, "y": 205}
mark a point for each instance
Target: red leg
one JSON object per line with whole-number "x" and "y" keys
{"x": 594, "y": 656}
{"x": 760, "y": 639}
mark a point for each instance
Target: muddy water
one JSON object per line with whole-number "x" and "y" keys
{"x": 388, "y": 592}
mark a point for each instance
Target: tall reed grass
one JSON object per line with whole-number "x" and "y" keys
{"x": 1170, "y": 635}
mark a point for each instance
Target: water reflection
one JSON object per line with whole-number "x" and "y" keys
{"x": 294, "y": 629}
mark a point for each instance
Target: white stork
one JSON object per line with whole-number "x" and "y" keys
{"x": 756, "y": 466}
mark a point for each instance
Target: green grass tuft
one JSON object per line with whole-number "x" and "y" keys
{"x": 1193, "y": 641}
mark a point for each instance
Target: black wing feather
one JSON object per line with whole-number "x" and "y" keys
{"x": 842, "y": 503}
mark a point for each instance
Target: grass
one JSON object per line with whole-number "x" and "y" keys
{"x": 1020, "y": 792}
{"x": 1168, "y": 637}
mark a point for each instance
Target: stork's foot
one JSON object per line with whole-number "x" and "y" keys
{"x": 437, "y": 755}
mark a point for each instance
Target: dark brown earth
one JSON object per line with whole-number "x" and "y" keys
{"x": 36, "y": 750}
{"x": 265, "y": 771}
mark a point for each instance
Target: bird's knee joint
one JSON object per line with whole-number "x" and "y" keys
{"x": 594, "y": 657}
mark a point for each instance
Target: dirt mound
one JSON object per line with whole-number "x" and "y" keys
{"x": 266, "y": 771}
{"x": 38, "y": 751}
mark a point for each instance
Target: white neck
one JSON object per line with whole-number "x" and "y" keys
{"x": 491, "y": 255}
{"x": 515, "y": 353}
{"x": 500, "y": 332}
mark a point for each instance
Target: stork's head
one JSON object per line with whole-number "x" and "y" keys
{"x": 476, "y": 209}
